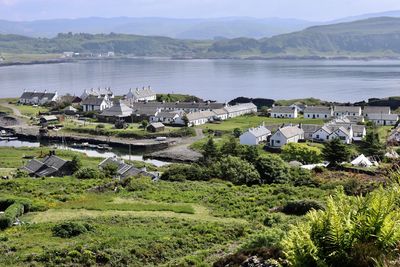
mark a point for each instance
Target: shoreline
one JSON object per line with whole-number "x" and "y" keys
{"x": 252, "y": 58}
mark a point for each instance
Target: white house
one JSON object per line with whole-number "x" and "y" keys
{"x": 254, "y": 136}
{"x": 200, "y": 117}
{"x": 340, "y": 111}
{"x": 318, "y": 112}
{"x": 167, "y": 118}
{"x": 144, "y": 94}
{"x": 384, "y": 119}
{"x": 240, "y": 109}
{"x": 221, "y": 114}
{"x": 372, "y": 110}
{"x": 342, "y": 133}
{"x": 284, "y": 112}
{"x": 94, "y": 103}
{"x": 118, "y": 111}
{"x": 285, "y": 135}
{"x": 322, "y": 134}
{"x": 38, "y": 98}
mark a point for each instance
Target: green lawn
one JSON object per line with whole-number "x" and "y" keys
{"x": 31, "y": 111}
{"x": 245, "y": 122}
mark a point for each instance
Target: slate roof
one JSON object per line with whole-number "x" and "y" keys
{"x": 200, "y": 115}
{"x": 124, "y": 170}
{"x": 350, "y": 109}
{"x": 240, "y": 107}
{"x": 39, "y": 95}
{"x": 318, "y": 109}
{"x": 259, "y": 131}
{"x": 33, "y": 166}
{"x": 119, "y": 109}
{"x": 178, "y": 105}
{"x": 283, "y": 109}
{"x": 310, "y": 128}
{"x": 140, "y": 93}
{"x": 291, "y": 131}
{"x": 70, "y": 108}
{"x": 390, "y": 117}
{"x": 220, "y": 111}
{"x": 376, "y": 110}
{"x": 169, "y": 115}
{"x": 45, "y": 167}
{"x": 93, "y": 100}
{"x": 49, "y": 118}
{"x": 157, "y": 125}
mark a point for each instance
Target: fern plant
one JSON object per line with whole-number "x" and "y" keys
{"x": 351, "y": 231}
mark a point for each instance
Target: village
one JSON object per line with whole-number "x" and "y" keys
{"x": 138, "y": 118}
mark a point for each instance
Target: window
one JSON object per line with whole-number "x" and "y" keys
{"x": 317, "y": 136}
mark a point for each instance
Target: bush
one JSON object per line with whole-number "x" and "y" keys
{"x": 272, "y": 218}
{"x": 301, "y": 152}
{"x": 10, "y": 215}
{"x": 89, "y": 173}
{"x": 267, "y": 239}
{"x": 110, "y": 170}
{"x": 350, "y": 232}
{"x": 100, "y": 126}
{"x": 71, "y": 229}
{"x": 301, "y": 207}
{"x": 273, "y": 169}
{"x": 236, "y": 170}
{"x": 181, "y": 172}
{"x": 300, "y": 177}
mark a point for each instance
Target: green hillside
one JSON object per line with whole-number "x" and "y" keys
{"x": 376, "y": 37}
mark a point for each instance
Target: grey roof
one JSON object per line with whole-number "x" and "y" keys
{"x": 376, "y": 110}
{"x": 390, "y": 117}
{"x": 119, "y": 109}
{"x": 291, "y": 131}
{"x": 176, "y": 105}
{"x": 350, "y": 109}
{"x": 318, "y": 109}
{"x": 220, "y": 111}
{"x": 124, "y": 170}
{"x": 141, "y": 93}
{"x": 240, "y": 107}
{"x": 157, "y": 125}
{"x": 39, "y": 95}
{"x": 358, "y": 128}
{"x": 148, "y": 111}
{"x": 45, "y": 167}
{"x": 200, "y": 115}
{"x": 259, "y": 131}
{"x": 355, "y": 119}
{"x": 70, "y": 108}
{"x": 49, "y": 118}
{"x": 283, "y": 109}
{"x": 310, "y": 128}
{"x": 342, "y": 129}
{"x": 169, "y": 115}
{"x": 93, "y": 100}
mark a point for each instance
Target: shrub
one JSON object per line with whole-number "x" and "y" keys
{"x": 110, "y": 170}
{"x": 89, "y": 173}
{"x": 75, "y": 164}
{"x": 10, "y": 215}
{"x": 181, "y": 172}
{"x": 272, "y": 169}
{"x": 272, "y": 218}
{"x": 267, "y": 239}
{"x": 350, "y": 232}
{"x": 100, "y": 126}
{"x": 236, "y": 170}
{"x": 300, "y": 177}
{"x": 71, "y": 229}
{"x": 301, "y": 152}
{"x": 21, "y": 174}
{"x": 336, "y": 152}
{"x": 301, "y": 207}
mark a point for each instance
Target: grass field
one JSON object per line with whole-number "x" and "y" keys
{"x": 245, "y": 122}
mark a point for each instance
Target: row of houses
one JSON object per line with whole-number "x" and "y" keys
{"x": 378, "y": 115}
{"x": 278, "y": 136}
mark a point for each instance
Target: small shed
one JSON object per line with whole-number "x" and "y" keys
{"x": 156, "y": 127}
{"x": 70, "y": 110}
{"x": 48, "y": 119}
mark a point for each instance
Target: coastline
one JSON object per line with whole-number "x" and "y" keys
{"x": 255, "y": 58}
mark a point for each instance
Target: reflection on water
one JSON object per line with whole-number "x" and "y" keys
{"x": 89, "y": 152}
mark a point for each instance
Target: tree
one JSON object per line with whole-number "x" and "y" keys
{"x": 372, "y": 146}
{"x": 236, "y": 170}
{"x": 237, "y": 132}
{"x": 273, "y": 169}
{"x": 362, "y": 231}
{"x": 250, "y": 153}
{"x": 231, "y": 147}
{"x": 302, "y": 153}
{"x": 110, "y": 170}
{"x": 210, "y": 151}
{"x": 185, "y": 120}
{"x": 336, "y": 152}
{"x": 75, "y": 164}
{"x": 144, "y": 124}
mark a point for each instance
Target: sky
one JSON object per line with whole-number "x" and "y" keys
{"x": 312, "y": 10}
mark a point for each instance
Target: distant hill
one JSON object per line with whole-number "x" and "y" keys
{"x": 175, "y": 28}
{"x": 393, "y": 13}
{"x": 376, "y": 37}
{"x": 371, "y": 37}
